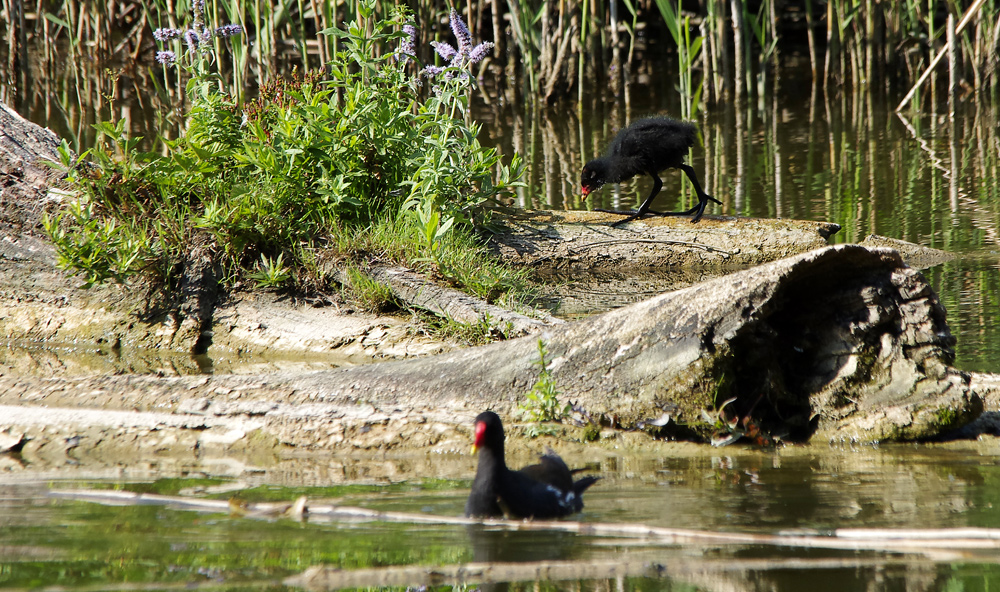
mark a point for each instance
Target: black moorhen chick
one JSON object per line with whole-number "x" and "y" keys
{"x": 545, "y": 490}
{"x": 647, "y": 146}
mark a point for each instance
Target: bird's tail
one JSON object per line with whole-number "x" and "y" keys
{"x": 581, "y": 485}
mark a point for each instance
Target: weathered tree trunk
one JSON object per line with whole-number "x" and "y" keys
{"x": 24, "y": 149}
{"x": 416, "y": 290}
{"x": 843, "y": 342}
{"x": 586, "y": 240}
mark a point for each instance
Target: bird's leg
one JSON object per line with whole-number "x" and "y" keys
{"x": 657, "y": 185}
{"x": 643, "y": 208}
{"x": 703, "y": 198}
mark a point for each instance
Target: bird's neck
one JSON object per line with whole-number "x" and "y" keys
{"x": 490, "y": 472}
{"x": 491, "y": 462}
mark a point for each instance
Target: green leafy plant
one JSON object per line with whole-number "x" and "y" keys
{"x": 688, "y": 51}
{"x": 271, "y": 273}
{"x": 432, "y": 230}
{"x": 542, "y": 402}
{"x": 310, "y": 164}
{"x": 370, "y": 293}
{"x": 479, "y": 333}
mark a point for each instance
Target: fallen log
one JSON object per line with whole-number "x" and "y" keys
{"x": 418, "y": 291}
{"x": 843, "y": 343}
{"x": 24, "y": 149}
{"x": 917, "y": 256}
{"x": 574, "y": 291}
{"x": 846, "y": 341}
{"x": 586, "y": 240}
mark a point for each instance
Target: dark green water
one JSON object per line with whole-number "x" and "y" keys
{"x": 47, "y": 542}
{"x": 847, "y": 158}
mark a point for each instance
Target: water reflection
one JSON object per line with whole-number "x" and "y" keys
{"x": 65, "y": 359}
{"x": 49, "y": 541}
{"x": 495, "y": 545}
{"x": 800, "y": 153}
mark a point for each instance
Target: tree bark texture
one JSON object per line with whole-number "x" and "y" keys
{"x": 24, "y": 150}
{"x": 418, "y": 291}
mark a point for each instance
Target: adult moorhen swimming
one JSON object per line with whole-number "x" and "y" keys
{"x": 545, "y": 490}
{"x": 647, "y": 146}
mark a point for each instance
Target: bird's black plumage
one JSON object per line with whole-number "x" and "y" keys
{"x": 544, "y": 490}
{"x": 647, "y": 146}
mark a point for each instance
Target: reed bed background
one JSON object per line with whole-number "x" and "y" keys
{"x": 550, "y": 51}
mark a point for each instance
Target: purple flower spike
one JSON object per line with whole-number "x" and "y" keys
{"x": 461, "y": 58}
{"x": 432, "y": 71}
{"x": 479, "y": 52}
{"x": 166, "y": 34}
{"x": 191, "y": 38}
{"x": 166, "y": 57}
{"x": 462, "y": 33}
{"x": 229, "y": 30}
{"x": 408, "y": 45}
{"x": 445, "y": 50}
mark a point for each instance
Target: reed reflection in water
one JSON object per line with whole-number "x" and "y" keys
{"x": 802, "y": 153}
{"x": 846, "y": 158}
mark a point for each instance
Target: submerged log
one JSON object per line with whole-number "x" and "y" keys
{"x": 843, "y": 343}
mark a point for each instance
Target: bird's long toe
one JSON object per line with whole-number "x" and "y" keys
{"x": 621, "y": 212}
{"x": 700, "y": 211}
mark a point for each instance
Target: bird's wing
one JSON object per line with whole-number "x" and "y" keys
{"x": 550, "y": 470}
